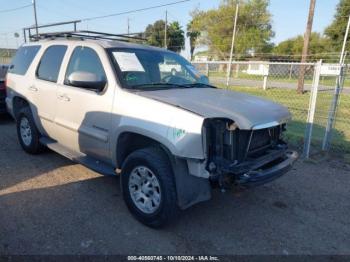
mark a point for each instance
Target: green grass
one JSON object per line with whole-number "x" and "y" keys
{"x": 298, "y": 106}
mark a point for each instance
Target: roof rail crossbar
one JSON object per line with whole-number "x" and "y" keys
{"x": 130, "y": 36}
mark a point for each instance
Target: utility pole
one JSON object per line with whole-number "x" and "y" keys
{"x": 35, "y": 17}
{"x": 128, "y": 26}
{"x": 232, "y": 45}
{"x": 166, "y": 30}
{"x": 306, "y": 46}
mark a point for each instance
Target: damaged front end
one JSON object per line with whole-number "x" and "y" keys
{"x": 245, "y": 157}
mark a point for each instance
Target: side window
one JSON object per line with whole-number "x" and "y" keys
{"x": 23, "y": 59}
{"x": 85, "y": 60}
{"x": 50, "y": 63}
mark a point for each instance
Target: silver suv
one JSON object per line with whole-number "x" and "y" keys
{"x": 170, "y": 136}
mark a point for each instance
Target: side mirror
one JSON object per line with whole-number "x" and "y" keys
{"x": 86, "y": 80}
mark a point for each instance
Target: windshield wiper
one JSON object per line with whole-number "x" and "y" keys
{"x": 158, "y": 85}
{"x": 199, "y": 85}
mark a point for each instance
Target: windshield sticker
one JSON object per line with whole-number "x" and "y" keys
{"x": 128, "y": 62}
{"x": 193, "y": 70}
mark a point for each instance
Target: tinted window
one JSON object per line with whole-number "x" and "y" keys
{"x": 85, "y": 59}
{"x": 50, "y": 64}
{"x": 23, "y": 58}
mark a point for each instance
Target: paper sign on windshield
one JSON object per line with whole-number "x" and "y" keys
{"x": 128, "y": 62}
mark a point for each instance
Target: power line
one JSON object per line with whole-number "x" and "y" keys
{"x": 15, "y": 9}
{"x": 134, "y": 11}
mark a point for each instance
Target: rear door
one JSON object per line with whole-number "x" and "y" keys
{"x": 20, "y": 76}
{"x": 44, "y": 87}
{"x": 83, "y": 119}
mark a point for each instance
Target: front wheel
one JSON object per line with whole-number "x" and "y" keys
{"x": 149, "y": 188}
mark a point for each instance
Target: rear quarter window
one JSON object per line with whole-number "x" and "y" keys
{"x": 23, "y": 59}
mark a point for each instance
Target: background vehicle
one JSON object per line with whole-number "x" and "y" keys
{"x": 3, "y": 71}
{"x": 170, "y": 66}
{"x": 108, "y": 105}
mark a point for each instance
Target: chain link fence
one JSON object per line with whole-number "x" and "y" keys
{"x": 278, "y": 81}
{"x": 5, "y": 60}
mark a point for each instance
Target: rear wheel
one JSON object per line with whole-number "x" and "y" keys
{"x": 28, "y": 134}
{"x": 149, "y": 188}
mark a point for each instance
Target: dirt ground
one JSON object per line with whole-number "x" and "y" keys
{"x": 50, "y": 205}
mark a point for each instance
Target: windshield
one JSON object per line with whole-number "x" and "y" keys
{"x": 148, "y": 69}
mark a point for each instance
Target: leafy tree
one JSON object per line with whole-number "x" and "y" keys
{"x": 193, "y": 35}
{"x": 336, "y": 31}
{"x": 318, "y": 47}
{"x": 253, "y": 34}
{"x": 155, "y": 33}
{"x": 175, "y": 35}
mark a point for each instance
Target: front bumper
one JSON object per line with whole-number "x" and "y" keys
{"x": 261, "y": 176}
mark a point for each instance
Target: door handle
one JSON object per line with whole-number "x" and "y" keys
{"x": 64, "y": 97}
{"x": 33, "y": 88}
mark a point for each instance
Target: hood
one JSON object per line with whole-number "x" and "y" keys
{"x": 248, "y": 112}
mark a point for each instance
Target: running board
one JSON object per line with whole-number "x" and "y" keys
{"x": 90, "y": 162}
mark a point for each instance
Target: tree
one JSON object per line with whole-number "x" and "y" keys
{"x": 176, "y": 38}
{"x": 155, "y": 33}
{"x": 254, "y": 30}
{"x": 175, "y": 35}
{"x": 336, "y": 30}
{"x": 319, "y": 46}
{"x": 193, "y": 35}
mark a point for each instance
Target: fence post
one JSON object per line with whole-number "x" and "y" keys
{"x": 266, "y": 69}
{"x": 265, "y": 82}
{"x": 312, "y": 109}
{"x": 207, "y": 69}
{"x": 291, "y": 71}
{"x": 333, "y": 109}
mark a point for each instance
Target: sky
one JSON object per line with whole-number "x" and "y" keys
{"x": 289, "y": 16}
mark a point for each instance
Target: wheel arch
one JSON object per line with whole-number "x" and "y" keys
{"x": 18, "y": 102}
{"x": 129, "y": 141}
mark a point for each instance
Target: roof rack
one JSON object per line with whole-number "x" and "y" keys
{"x": 79, "y": 34}
{"x": 85, "y": 34}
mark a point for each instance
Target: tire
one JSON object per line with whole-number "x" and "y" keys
{"x": 162, "y": 203}
{"x": 28, "y": 134}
